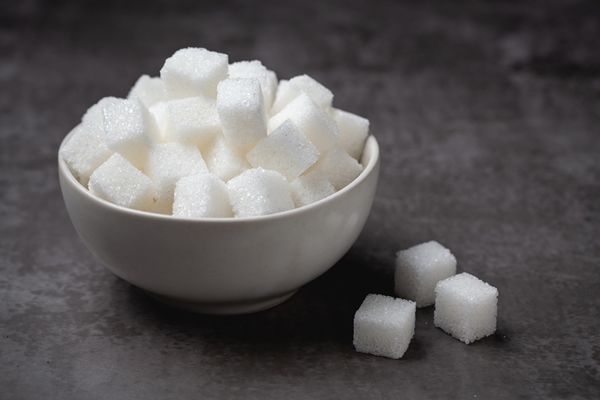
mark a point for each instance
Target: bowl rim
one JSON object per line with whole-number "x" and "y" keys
{"x": 371, "y": 146}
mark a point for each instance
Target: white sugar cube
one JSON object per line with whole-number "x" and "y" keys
{"x": 466, "y": 307}
{"x": 201, "y": 196}
{"x": 236, "y": 121}
{"x": 86, "y": 150}
{"x": 224, "y": 160}
{"x": 255, "y": 69}
{"x": 130, "y": 130}
{"x": 169, "y": 162}
{"x": 194, "y": 72}
{"x": 242, "y": 111}
{"x": 193, "y": 120}
{"x": 315, "y": 90}
{"x": 353, "y": 132}
{"x": 384, "y": 326}
{"x": 315, "y": 123}
{"x": 339, "y": 167}
{"x": 310, "y": 187}
{"x": 119, "y": 182}
{"x": 160, "y": 112}
{"x": 149, "y": 90}
{"x": 286, "y": 150}
{"x": 95, "y": 115}
{"x": 287, "y": 91}
{"x": 419, "y": 269}
{"x": 259, "y": 191}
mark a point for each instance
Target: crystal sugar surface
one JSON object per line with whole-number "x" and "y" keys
{"x": 235, "y": 121}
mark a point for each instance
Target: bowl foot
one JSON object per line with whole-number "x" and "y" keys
{"x": 224, "y": 308}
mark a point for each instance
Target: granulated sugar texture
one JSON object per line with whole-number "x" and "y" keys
{"x": 420, "y": 268}
{"x": 236, "y": 122}
{"x": 465, "y": 306}
{"x": 384, "y": 326}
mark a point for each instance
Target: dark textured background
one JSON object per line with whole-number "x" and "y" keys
{"x": 488, "y": 115}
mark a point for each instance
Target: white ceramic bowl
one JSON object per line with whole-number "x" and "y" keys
{"x": 223, "y": 266}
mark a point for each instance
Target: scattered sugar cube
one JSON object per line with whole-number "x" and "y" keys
{"x": 353, "y": 132}
{"x": 194, "y": 72}
{"x": 169, "y": 162}
{"x": 149, "y": 90}
{"x": 130, "y": 130}
{"x": 242, "y": 111}
{"x": 119, "y": 182}
{"x": 201, "y": 196}
{"x": 286, "y": 150}
{"x": 95, "y": 115}
{"x": 255, "y": 69}
{"x": 419, "y": 269}
{"x": 466, "y": 307}
{"x": 259, "y": 191}
{"x": 310, "y": 187}
{"x": 384, "y": 326}
{"x": 193, "y": 120}
{"x": 225, "y": 161}
{"x": 86, "y": 150}
{"x": 317, "y": 125}
{"x": 339, "y": 167}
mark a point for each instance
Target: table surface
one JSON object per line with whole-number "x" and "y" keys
{"x": 488, "y": 119}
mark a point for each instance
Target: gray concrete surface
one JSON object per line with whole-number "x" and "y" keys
{"x": 488, "y": 114}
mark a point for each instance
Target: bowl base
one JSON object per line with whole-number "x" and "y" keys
{"x": 226, "y": 308}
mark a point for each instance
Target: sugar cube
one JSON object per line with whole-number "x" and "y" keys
{"x": 255, "y": 69}
{"x": 242, "y": 111}
{"x": 310, "y": 187}
{"x": 130, "y": 130}
{"x": 224, "y": 160}
{"x": 119, "y": 182}
{"x": 235, "y": 121}
{"x": 466, "y": 307}
{"x": 420, "y": 268}
{"x": 86, "y": 150}
{"x": 259, "y": 191}
{"x": 149, "y": 90}
{"x": 384, "y": 326}
{"x": 194, "y": 72}
{"x": 193, "y": 120}
{"x": 201, "y": 196}
{"x": 285, "y": 150}
{"x": 95, "y": 115}
{"x": 160, "y": 112}
{"x": 287, "y": 91}
{"x": 339, "y": 167}
{"x": 169, "y": 162}
{"x": 315, "y": 123}
{"x": 315, "y": 90}
{"x": 353, "y": 132}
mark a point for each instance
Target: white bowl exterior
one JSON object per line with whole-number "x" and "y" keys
{"x": 220, "y": 261}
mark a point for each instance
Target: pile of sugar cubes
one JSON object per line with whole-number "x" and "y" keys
{"x": 210, "y": 139}
{"x": 465, "y": 306}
